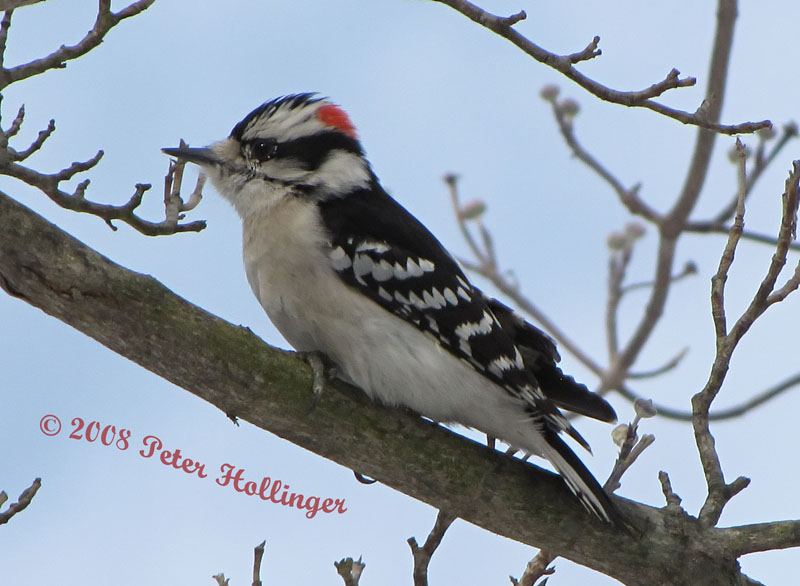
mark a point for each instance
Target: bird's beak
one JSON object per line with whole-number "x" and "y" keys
{"x": 200, "y": 156}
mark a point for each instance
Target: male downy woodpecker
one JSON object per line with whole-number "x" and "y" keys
{"x": 341, "y": 268}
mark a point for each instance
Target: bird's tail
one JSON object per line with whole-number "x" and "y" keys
{"x": 579, "y": 480}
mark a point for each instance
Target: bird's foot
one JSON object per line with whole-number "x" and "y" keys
{"x": 322, "y": 370}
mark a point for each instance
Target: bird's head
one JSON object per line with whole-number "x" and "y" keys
{"x": 293, "y": 145}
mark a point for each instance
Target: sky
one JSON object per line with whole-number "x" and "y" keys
{"x": 430, "y": 93}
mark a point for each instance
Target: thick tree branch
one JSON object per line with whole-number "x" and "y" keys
{"x": 136, "y": 316}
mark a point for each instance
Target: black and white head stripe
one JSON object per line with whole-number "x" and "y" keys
{"x": 296, "y": 128}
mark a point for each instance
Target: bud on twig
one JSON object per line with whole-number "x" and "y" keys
{"x": 472, "y": 210}
{"x": 549, "y": 93}
{"x": 619, "y": 434}
{"x": 644, "y": 408}
{"x": 616, "y": 241}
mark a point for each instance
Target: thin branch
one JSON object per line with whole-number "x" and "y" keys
{"x": 565, "y": 64}
{"x": 717, "y": 224}
{"x": 673, "y": 500}
{"x": 24, "y": 500}
{"x": 707, "y": 228}
{"x": 629, "y": 197}
{"x": 492, "y": 272}
{"x": 672, "y": 224}
{"x": 37, "y": 142}
{"x": 76, "y": 201}
{"x": 664, "y": 368}
{"x": 538, "y": 567}
{"x": 689, "y": 269}
{"x": 105, "y": 21}
{"x": 422, "y": 555}
{"x": 726, "y": 260}
{"x": 258, "y": 555}
{"x": 720, "y": 493}
{"x": 721, "y": 414}
{"x": 5, "y": 24}
{"x": 16, "y": 124}
{"x": 631, "y": 446}
{"x": 350, "y": 570}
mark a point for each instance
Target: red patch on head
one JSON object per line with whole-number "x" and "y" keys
{"x": 333, "y": 115}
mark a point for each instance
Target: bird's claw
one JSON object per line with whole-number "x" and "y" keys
{"x": 319, "y": 369}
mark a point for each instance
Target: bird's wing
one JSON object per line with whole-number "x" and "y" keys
{"x": 395, "y": 261}
{"x": 541, "y": 358}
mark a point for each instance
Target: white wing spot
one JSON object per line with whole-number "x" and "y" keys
{"x": 426, "y": 265}
{"x": 401, "y": 299}
{"x": 469, "y": 329}
{"x": 382, "y": 271}
{"x": 462, "y": 282}
{"x": 384, "y": 294}
{"x": 377, "y": 247}
{"x": 463, "y": 294}
{"x": 438, "y": 299}
{"x": 362, "y": 265}
{"x": 399, "y": 272}
{"x": 450, "y": 296}
{"x": 416, "y": 301}
{"x": 339, "y": 259}
{"x": 500, "y": 365}
{"x": 413, "y": 268}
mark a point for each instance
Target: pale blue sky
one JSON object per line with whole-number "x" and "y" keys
{"x": 430, "y": 93}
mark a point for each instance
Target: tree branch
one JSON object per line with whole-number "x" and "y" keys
{"x": 22, "y": 503}
{"x": 105, "y": 21}
{"x": 136, "y": 316}
{"x": 422, "y": 555}
{"x": 719, "y": 493}
{"x": 565, "y": 64}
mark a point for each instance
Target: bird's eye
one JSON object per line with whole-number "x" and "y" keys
{"x": 263, "y": 149}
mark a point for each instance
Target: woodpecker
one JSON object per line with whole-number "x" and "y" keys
{"x": 342, "y": 269}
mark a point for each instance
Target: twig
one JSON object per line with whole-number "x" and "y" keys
{"x": 105, "y": 21}
{"x": 629, "y": 197}
{"x": 673, "y": 500}
{"x": 258, "y": 555}
{"x": 422, "y": 555}
{"x": 746, "y": 235}
{"x": 565, "y": 64}
{"x": 689, "y": 269}
{"x": 5, "y": 24}
{"x": 717, "y": 224}
{"x": 16, "y": 124}
{"x": 666, "y": 367}
{"x": 491, "y": 272}
{"x": 350, "y": 570}
{"x": 76, "y": 201}
{"x": 536, "y": 568}
{"x": 37, "y": 142}
{"x": 721, "y": 414}
{"x": 631, "y": 446}
{"x": 719, "y": 493}
{"x": 24, "y": 500}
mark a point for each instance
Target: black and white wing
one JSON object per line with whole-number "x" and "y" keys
{"x": 381, "y": 250}
{"x": 378, "y": 248}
